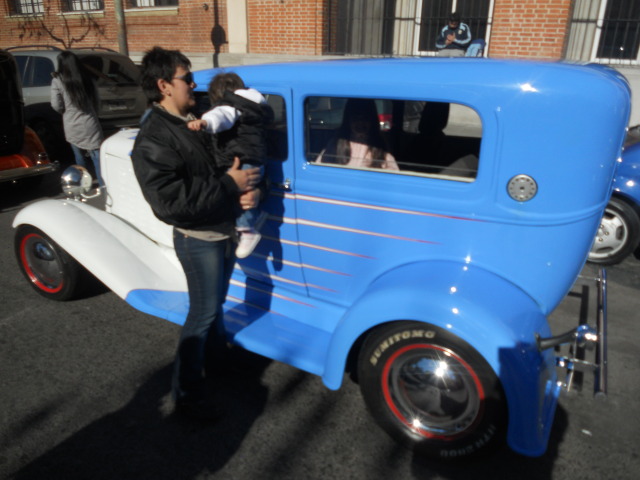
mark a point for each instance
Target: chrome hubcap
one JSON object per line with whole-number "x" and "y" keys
{"x": 612, "y": 235}
{"x": 433, "y": 391}
{"x": 41, "y": 263}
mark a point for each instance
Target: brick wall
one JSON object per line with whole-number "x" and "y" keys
{"x": 187, "y": 27}
{"x": 285, "y": 26}
{"x": 529, "y": 30}
{"x": 275, "y": 27}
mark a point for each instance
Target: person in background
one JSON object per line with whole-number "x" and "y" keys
{"x": 73, "y": 94}
{"x": 182, "y": 183}
{"x": 238, "y": 119}
{"x": 454, "y": 38}
{"x": 358, "y": 142}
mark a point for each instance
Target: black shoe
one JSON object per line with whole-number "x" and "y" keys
{"x": 198, "y": 411}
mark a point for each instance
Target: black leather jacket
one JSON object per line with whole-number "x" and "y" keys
{"x": 247, "y": 138}
{"x": 178, "y": 176}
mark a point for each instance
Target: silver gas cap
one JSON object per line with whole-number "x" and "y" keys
{"x": 522, "y": 188}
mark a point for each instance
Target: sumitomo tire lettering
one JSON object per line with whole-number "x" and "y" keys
{"x": 397, "y": 337}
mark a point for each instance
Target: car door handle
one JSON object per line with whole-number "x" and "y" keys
{"x": 286, "y": 185}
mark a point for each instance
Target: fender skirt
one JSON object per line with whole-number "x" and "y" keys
{"x": 488, "y": 312}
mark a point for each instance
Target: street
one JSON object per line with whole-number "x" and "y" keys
{"x": 84, "y": 395}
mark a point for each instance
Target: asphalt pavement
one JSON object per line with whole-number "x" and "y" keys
{"x": 84, "y": 395}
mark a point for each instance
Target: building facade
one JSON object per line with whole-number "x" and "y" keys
{"x": 228, "y": 32}
{"x": 606, "y": 31}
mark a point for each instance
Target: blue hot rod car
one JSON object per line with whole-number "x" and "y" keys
{"x": 430, "y": 283}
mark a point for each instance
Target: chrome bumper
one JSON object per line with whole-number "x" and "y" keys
{"x": 15, "y": 174}
{"x": 584, "y": 348}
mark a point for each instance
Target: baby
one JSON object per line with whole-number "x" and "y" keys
{"x": 237, "y": 120}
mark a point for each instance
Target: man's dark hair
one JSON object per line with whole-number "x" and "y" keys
{"x": 454, "y": 17}
{"x": 157, "y": 64}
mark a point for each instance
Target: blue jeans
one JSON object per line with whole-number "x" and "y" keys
{"x": 78, "y": 153}
{"x": 208, "y": 267}
{"x": 247, "y": 219}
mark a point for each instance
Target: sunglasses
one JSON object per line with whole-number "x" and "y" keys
{"x": 187, "y": 78}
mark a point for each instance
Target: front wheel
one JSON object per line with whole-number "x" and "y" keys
{"x": 431, "y": 391}
{"x": 618, "y": 234}
{"x": 50, "y": 270}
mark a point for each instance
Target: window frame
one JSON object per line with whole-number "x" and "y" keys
{"x": 398, "y": 134}
{"x": 135, "y": 4}
{"x": 75, "y": 6}
{"x": 587, "y": 29}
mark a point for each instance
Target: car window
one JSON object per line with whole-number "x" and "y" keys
{"x": 42, "y": 70}
{"x": 22, "y": 65}
{"x": 276, "y": 131}
{"x": 417, "y": 137}
{"x": 109, "y": 70}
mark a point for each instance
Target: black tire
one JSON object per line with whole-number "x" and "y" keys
{"x": 452, "y": 413}
{"x": 50, "y": 270}
{"x": 618, "y": 234}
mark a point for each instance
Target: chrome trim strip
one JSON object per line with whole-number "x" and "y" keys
{"x": 25, "y": 172}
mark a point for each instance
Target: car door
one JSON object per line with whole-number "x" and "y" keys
{"x": 271, "y": 279}
{"x": 357, "y": 223}
{"x": 36, "y": 78}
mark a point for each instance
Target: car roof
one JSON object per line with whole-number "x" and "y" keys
{"x": 477, "y": 73}
{"x": 53, "y": 52}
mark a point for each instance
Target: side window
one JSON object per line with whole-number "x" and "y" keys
{"x": 276, "y": 130}
{"x": 93, "y": 63}
{"x": 123, "y": 72}
{"x": 42, "y": 70}
{"x": 416, "y": 137}
{"x": 22, "y": 64}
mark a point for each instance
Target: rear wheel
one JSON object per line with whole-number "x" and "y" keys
{"x": 618, "y": 234}
{"x": 431, "y": 391}
{"x": 51, "y": 271}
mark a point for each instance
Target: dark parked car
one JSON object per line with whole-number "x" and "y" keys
{"x": 22, "y": 155}
{"x": 121, "y": 100}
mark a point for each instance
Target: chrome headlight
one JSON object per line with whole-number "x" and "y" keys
{"x": 76, "y": 182}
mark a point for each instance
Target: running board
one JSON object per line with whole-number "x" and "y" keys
{"x": 294, "y": 343}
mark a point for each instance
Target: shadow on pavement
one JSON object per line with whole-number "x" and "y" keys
{"x": 503, "y": 464}
{"x": 145, "y": 440}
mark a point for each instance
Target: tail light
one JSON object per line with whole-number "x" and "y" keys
{"x": 386, "y": 121}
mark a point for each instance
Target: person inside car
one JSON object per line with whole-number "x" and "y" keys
{"x": 358, "y": 142}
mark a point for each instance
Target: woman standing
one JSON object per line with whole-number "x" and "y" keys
{"x": 182, "y": 183}
{"x": 73, "y": 94}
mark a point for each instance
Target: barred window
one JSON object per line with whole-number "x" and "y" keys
{"x": 605, "y": 32}
{"x": 28, "y": 6}
{"x": 152, "y": 3}
{"x": 398, "y": 27}
{"x": 83, "y": 5}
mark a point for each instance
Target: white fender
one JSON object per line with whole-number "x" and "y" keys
{"x": 118, "y": 254}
